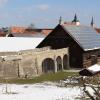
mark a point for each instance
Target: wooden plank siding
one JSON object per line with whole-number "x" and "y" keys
{"x": 91, "y": 58}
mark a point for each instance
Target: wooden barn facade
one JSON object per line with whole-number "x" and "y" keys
{"x": 83, "y": 43}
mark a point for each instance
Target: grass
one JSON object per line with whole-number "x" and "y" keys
{"x": 46, "y": 77}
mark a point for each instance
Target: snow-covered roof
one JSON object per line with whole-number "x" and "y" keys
{"x": 92, "y": 70}
{"x": 8, "y": 44}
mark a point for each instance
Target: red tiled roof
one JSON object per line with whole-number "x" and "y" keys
{"x": 2, "y": 34}
{"x": 46, "y": 31}
{"x": 15, "y": 29}
{"x": 69, "y": 23}
{"x": 21, "y": 31}
{"x": 97, "y": 29}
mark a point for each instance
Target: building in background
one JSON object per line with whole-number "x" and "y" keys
{"x": 28, "y": 32}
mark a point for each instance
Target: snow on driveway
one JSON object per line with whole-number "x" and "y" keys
{"x": 39, "y": 92}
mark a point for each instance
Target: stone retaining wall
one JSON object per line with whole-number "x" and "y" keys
{"x": 28, "y": 63}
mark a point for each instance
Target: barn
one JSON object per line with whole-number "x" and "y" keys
{"x": 83, "y": 43}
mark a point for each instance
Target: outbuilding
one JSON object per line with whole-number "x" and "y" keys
{"x": 83, "y": 43}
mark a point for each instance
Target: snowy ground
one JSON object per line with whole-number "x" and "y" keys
{"x": 39, "y": 91}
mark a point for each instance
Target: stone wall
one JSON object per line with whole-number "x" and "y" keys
{"x": 28, "y": 63}
{"x": 8, "y": 69}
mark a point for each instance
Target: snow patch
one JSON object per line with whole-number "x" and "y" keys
{"x": 18, "y": 43}
{"x": 94, "y": 68}
{"x": 40, "y": 92}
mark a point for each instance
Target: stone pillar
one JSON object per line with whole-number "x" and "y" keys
{"x": 68, "y": 65}
{"x": 55, "y": 63}
{"x": 36, "y": 66}
{"x": 39, "y": 66}
{"x": 20, "y": 68}
{"x": 62, "y": 63}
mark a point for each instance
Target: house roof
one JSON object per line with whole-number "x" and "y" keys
{"x": 97, "y": 29}
{"x": 46, "y": 31}
{"x": 9, "y": 44}
{"x": 16, "y": 29}
{"x": 90, "y": 71}
{"x": 85, "y": 36}
{"x": 28, "y": 35}
{"x": 2, "y": 34}
{"x": 28, "y": 32}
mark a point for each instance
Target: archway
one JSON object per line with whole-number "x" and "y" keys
{"x": 48, "y": 65}
{"x": 65, "y": 62}
{"x": 59, "y": 63}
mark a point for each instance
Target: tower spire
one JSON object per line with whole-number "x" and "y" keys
{"x": 92, "y": 22}
{"x": 75, "y": 20}
{"x": 60, "y": 20}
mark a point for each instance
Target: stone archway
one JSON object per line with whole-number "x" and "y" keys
{"x": 59, "y": 63}
{"x": 48, "y": 65}
{"x": 65, "y": 62}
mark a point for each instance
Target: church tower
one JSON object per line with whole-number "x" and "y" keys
{"x": 75, "y": 20}
{"x": 92, "y": 22}
{"x": 60, "y": 20}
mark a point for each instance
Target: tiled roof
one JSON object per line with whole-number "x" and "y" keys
{"x": 97, "y": 29}
{"x": 27, "y": 32}
{"x": 85, "y": 36}
{"x": 2, "y": 34}
{"x": 46, "y": 31}
{"x": 15, "y": 29}
{"x": 69, "y": 23}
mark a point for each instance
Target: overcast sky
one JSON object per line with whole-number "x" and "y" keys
{"x": 45, "y": 13}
